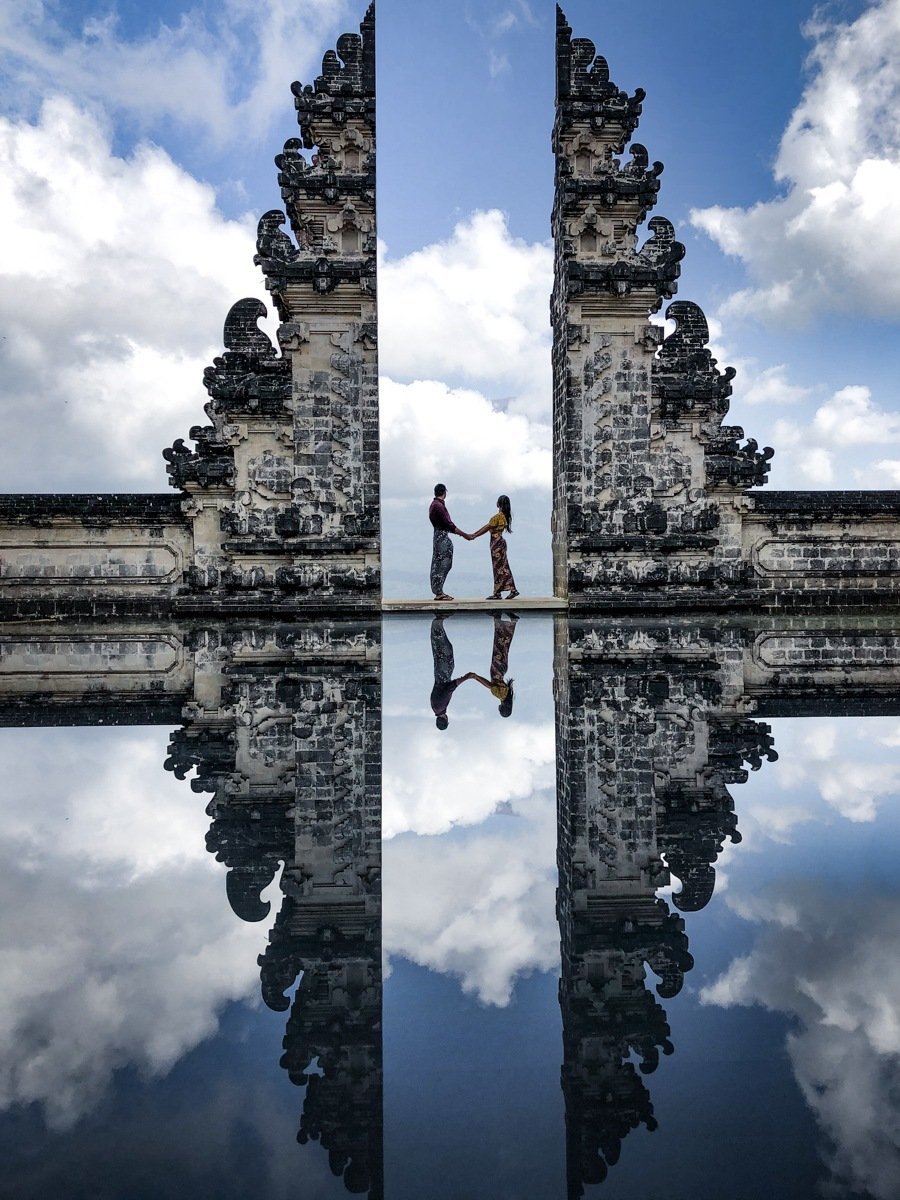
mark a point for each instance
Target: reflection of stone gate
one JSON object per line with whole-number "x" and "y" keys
{"x": 655, "y": 722}
{"x": 282, "y": 725}
{"x": 285, "y": 731}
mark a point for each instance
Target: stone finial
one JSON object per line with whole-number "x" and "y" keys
{"x": 583, "y": 87}
{"x": 346, "y": 85}
{"x": 685, "y": 375}
{"x": 272, "y": 245}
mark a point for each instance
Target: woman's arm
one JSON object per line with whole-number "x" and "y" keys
{"x": 479, "y": 532}
{"x": 481, "y": 679}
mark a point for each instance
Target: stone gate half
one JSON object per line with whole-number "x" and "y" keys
{"x": 652, "y": 502}
{"x": 277, "y": 505}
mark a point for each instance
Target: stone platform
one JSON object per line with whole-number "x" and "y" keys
{"x": 520, "y": 604}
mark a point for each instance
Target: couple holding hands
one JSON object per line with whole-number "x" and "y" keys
{"x": 442, "y": 555}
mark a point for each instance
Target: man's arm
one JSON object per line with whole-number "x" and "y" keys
{"x": 441, "y": 518}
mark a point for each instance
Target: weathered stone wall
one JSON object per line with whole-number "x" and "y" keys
{"x": 651, "y": 507}
{"x": 91, "y": 555}
{"x": 278, "y": 505}
{"x": 822, "y": 549}
{"x": 647, "y": 480}
{"x": 284, "y": 485}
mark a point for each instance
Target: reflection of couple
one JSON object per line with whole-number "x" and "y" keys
{"x": 444, "y": 683}
{"x": 442, "y": 555}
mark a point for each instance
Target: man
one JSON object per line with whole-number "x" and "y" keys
{"x": 444, "y": 683}
{"x": 442, "y": 553}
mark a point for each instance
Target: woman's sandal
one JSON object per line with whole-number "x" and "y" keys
{"x": 512, "y": 595}
{"x": 494, "y": 596}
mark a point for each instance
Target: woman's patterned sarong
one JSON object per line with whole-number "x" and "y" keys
{"x": 503, "y": 636}
{"x": 503, "y": 580}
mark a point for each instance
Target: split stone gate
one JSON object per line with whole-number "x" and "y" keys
{"x": 276, "y": 503}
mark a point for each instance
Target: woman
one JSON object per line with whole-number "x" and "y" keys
{"x": 498, "y": 685}
{"x": 500, "y": 523}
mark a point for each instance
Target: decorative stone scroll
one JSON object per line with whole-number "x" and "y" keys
{"x": 646, "y": 478}
{"x": 284, "y": 482}
{"x": 652, "y": 506}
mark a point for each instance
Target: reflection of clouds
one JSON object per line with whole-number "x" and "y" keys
{"x": 836, "y": 757}
{"x": 478, "y": 901}
{"x": 835, "y": 761}
{"x": 832, "y": 960}
{"x": 118, "y": 946}
{"x": 433, "y": 780}
{"x": 478, "y": 905}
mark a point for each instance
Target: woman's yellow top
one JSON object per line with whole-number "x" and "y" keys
{"x": 497, "y": 524}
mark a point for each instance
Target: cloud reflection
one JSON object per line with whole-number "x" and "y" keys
{"x": 832, "y": 960}
{"x": 478, "y": 905}
{"x": 117, "y": 946}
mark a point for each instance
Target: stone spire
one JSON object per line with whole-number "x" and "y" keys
{"x": 646, "y": 479}
{"x": 284, "y": 484}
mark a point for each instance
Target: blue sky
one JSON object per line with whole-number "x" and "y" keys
{"x": 136, "y": 146}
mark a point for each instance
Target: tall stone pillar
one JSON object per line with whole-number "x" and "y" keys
{"x": 647, "y": 484}
{"x": 283, "y": 487}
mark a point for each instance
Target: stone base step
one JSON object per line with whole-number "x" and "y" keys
{"x": 520, "y": 604}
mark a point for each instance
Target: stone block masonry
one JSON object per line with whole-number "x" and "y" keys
{"x": 278, "y": 500}
{"x": 652, "y": 507}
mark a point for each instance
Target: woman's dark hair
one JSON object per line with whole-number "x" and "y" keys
{"x": 506, "y": 705}
{"x": 503, "y": 505}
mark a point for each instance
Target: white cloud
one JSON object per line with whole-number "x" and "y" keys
{"x": 115, "y": 287}
{"x": 498, "y": 64}
{"x": 831, "y": 960}
{"x": 808, "y": 452}
{"x": 770, "y": 386}
{"x": 431, "y": 431}
{"x": 473, "y": 310}
{"x": 116, "y": 928}
{"x": 223, "y": 68}
{"x": 433, "y": 783}
{"x": 832, "y": 242}
{"x": 850, "y": 417}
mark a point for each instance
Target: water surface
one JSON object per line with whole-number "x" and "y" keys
{"x": 596, "y": 940}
